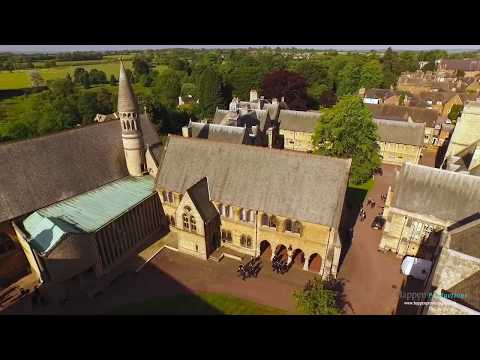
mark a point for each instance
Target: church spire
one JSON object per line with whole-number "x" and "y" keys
{"x": 126, "y": 99}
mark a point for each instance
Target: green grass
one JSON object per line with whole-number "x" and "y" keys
{"x": 20, "y": 79}
{"x": 365, "y": 186}
{"x": 201, "y": 304}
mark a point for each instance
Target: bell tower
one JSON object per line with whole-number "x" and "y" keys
{"x": 132, "y": 136}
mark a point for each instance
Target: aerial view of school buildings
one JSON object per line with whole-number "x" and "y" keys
{"x": 274, "y": 181}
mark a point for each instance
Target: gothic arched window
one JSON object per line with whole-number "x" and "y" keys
{"x": 265, "y": 220}
{"x": 273, "y": 222}
{"x": 243, "y": 241}
{"x": 186, "y": 223}
{"x": 288, "y": 225}
{"x": 249, "y": 242}
{"x": 297, "y": 227}
{"x": 170, "y": 197}
{"x": 193, "y": 224}
{"x": 172, "y": 220}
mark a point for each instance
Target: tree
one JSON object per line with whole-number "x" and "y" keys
{"x": 97, "y": 77}
{"x": 189, "y": 89}
{"x": 85, "y": 80}
{"x": 371, "y": 75}
{"x": 347, "y": 130}
{"x": 78, "y": 74}
{"x": 460, "y": 74}
{"x": 61, "y": 88}
{"x": 113, "y": 80}
{"x": 319, "y": 298}
{"x": 210, "y": 92}
{"x": 36, "y": 79}
{"x": 287, "y": 84}
{"x": 455, "y": 112}
{"x": 140, "y": 67}
{"x": 167, "y": 87}
{"x": 430, "y": 66}
{"x": 87, "y": 107}
{"x": 349, "y": 79}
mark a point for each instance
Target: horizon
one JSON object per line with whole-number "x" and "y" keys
{"x": 72, "y": 48}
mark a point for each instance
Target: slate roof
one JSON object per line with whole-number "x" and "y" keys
{"x": 260, "y": 118}
{"x": 222, "y": 133}
{"x": 402, "y": 113}
{"x": 460, "y": 64}
{"x": 303, "y": 121}
{"x": 466, "y": 238}
{"x": 380, "y": 93}
{"x": 199, "y": 193}
{"x": 444, "y": 194}
{"x": 301, "y": 186}
{"x": 44, "y": 170}
{"x": 399, "y": 132}
{"x": 470, "y": 289}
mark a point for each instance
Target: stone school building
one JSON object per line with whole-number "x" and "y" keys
{"x": 254, "y": 200}
{"x": 81, "y": 201}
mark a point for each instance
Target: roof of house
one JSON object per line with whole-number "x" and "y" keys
{"x": 87, "y": 212}
{"x": 258, "y": 118}
{"x": 303, "y": 121}
{"x": 44, "y": 170}
{"x": 461, "y": 64}
{"x": 200, "y": 195}
{"x": 444, "y": 194}
{"x": 223, "y": 133}
{"x": 274, "y": 109}
{"x": 399, "y": 132}
{"x": 380, "y": 93}
{"x": 466, "y": 238}
{"x": 470, "y": 290}
{"x": 402, "y": 113}
{"x": 301, "y": 186}
{"x": 221, "y": 115}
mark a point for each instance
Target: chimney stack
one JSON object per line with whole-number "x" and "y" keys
{"x": 253, "y": 95}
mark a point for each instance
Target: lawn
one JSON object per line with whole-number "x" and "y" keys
{"x": 357, "y": 193}
{"x": 20, "y": 79}
{"x": 201, "y": 304}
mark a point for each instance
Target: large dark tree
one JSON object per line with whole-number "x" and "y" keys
{"x": 287, "y": 84}
{"x": 347, "y": 130}
{"x": 210, "y": 91}
{"x": 140, "y": 67}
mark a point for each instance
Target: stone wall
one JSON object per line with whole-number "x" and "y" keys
{"x": 398, "y": 154}
{"x": 296, "y": 140}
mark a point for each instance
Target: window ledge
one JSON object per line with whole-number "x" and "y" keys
{"x": 290, "y": 233}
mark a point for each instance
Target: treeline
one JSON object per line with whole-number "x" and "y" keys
{"x": 62, "y": 106}
{"x": 11, "y": 62}
{"x": 216, "y": 76}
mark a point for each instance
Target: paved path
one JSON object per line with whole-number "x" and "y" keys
{"x": 372, "y": 279}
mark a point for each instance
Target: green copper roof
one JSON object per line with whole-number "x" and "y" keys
{"x": 87, "y": 212}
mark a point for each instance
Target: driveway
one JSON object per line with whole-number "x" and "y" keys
{"x": 372, "y": 280}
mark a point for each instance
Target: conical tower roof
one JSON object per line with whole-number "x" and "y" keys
{"x": 126, "y": 99}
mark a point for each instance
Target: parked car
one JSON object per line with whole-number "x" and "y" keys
{"x": 378, "y": 223}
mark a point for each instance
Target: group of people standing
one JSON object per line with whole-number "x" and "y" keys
{"x": 371, "y": 203}
{"x": 279, "y": 265}
{"x": 251, "y": 268}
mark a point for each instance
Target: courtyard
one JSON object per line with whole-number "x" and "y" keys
{"x": 372, "y": 280}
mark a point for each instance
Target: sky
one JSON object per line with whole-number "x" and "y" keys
{"x": 67, "y": 48}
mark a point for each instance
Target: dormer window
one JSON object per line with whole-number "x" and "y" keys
{"x": 270, "y": 221}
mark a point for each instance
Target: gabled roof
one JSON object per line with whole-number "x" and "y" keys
{"x": 44, "y": 170}
{"x": 399, "y": 132}
{"x": 459, "y": 64}
{"x": 380, "y": 93}
{"x": 470, "y": 289}
{"x": 303, "y": 121}
{"x": 258, "y": 178}
{"x": 444, "y": 194}
{"x": 402, "y": 113}
{"x": 222, "y": 133}
{"x": 466, "y": 238}
{"x": 200, "y": 195}
{"x": 260, "y": 118}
